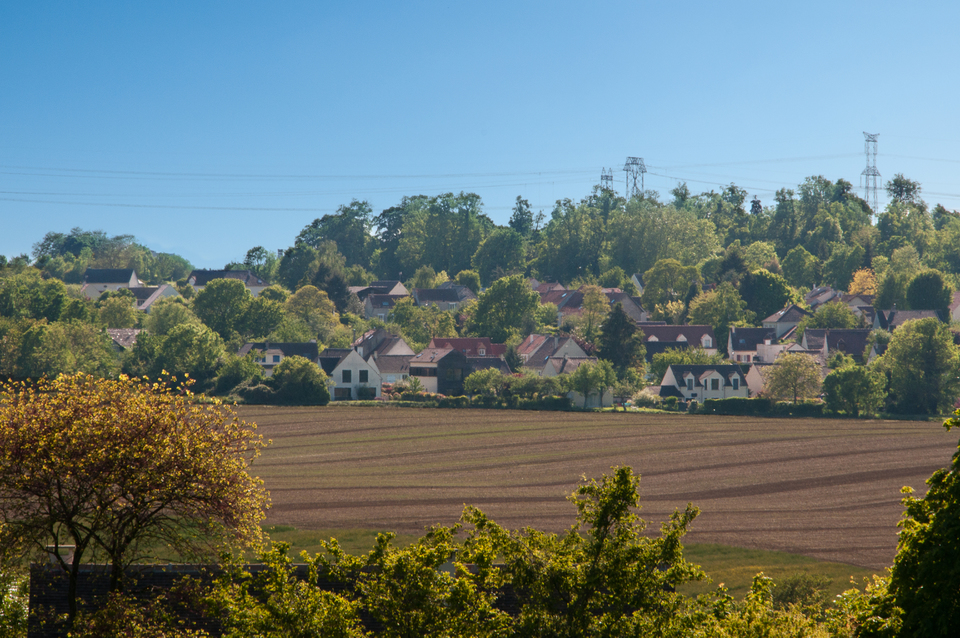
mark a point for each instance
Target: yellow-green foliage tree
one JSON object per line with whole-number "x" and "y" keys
{"x": 796, "y": 375}
{"x": 115, "y": 467}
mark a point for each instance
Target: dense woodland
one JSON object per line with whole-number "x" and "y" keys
{"x": 711, "y": 258}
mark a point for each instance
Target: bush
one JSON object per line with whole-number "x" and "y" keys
{"x": 806, "y": 409}
{"x": 366, "y": 393}
{"x": 734, "y": 405}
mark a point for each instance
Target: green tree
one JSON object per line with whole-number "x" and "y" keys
{"x": 903, "y": 190}
{"x": 501, "y": 253}
{"x": 522, "y": 218}
{"x": 501, "y": 309}
{"x": 795, "y": 375}
{"x": 262, "y": 316}
{"x": 489, "y": 382}
{"x": 854, "y": 389}
{"x": 922, "y": 365}
{"x": 236, "y": 370}
{"x": 349, "y": 228}
{"x": 765, "y": 293}
{"x": 621, "y": 342}
{"x": 190, "y": 349}
{"x": 843, "y": 262}
{"x": 592, "y": 377}
{"x": 166, "y": 314}
{"x": 605, "y": 576}
{"x": 720, "y": 308}
{"x": 301, "y": 382}
{"x": 801, "y": 268}
{"x": 923, "y": 581}
{"x": 666, "y": 281}
{"x": 119, "y": 312}
{"x": 594, "y": 311}
{"x": 929, "y": 291}
{"x": 131, "y": 475}
{"x": 832, "y": 315}
{"x": 222, "y": 306}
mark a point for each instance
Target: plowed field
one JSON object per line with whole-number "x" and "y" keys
{"x": 829, "y": 489}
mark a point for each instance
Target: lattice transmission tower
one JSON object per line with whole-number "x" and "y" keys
{"x": 606, "y": 178}
{"x": 868, "y": 178}
{"x": 634, "y": 168}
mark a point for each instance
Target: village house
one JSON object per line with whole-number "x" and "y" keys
{"x": 701, "y": 382}
{"x": 146, "y": 296}
{"x": 448, "y": 297}
{"x": 785, "y": 321}
{"x": 535, "y": 350}
{"x": 826, "y": 342}
{"x": 97, "y": 281}
{"x": 470, "y": 346}
{"x": 658, "y": 337}
{"x": 379, "y": 306}
{"x": 384, "y": 287}
{"x": 351, "y": 376}
{"x": 440, "y": 370}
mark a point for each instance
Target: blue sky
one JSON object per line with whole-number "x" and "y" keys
{"x": 208, "y": 128}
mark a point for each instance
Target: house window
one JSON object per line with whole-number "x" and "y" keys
{"x": 690, "y": 383}
{"x": 736, "y": 383}
{"x": 347, "y": 376}
{"x": 380, "y": 316}
{"x": 714, "y": 384}
{"x": 707, "y": 342}
{"x": 363, "y": 376}
{"x": 483, "y": 352}
{"x": 276, "y": 358}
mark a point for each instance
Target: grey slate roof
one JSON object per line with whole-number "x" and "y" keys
{"x": 307, "y": 350}
{"x": 204, "y": 277}
{"x": 108, "y": 275}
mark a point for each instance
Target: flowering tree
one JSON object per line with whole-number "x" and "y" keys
{"x": 115, "y": 466}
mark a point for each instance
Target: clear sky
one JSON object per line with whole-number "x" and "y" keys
{"x": 207, "y": 128}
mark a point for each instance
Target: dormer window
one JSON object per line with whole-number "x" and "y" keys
{"x": 681, "y": 338}
{"x": 736, "y": 383}
{"x": 714, "y": 384}
{"x": 689, "y": 383}
{"x": 708, "y": 342}
{"x": 483, "y": 352}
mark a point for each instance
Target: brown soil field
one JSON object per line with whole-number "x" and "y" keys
{"x": 829, "y": 489}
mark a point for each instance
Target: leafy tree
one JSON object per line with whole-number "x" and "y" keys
{"x": 419, "y": 324}
{"x": 298, "y": 266}
{"x": 843, "y": 262}
{"x": 512, "y": 358}
{"x": 488, "y": 381}
{"x": 801, "y": 268}
{"x": 501, "y": 309}
{"x": 681, "y": 356}
{"x": 275, "y": 602}
{"x": 275, "y": 292}
{"x": 222, "y": 306}
{"x": 903, "y": 190}
{"x": 166, "y": 314}
{"x": 236, "y": 370}
{"x": 922, "y": 579}
{"x": 720, "y": 308}
{"x": 604, "y": 576}
{"x": 864, "y": 283}
{"x": 111, "y": 466}
{"x": 929, "y": 291}
{"x": 595, "y": 309}
{"x": 765, "y": 293}
{"x": 667, "y": 280}
{"x": 444, "y": 234}
{"x": 854, "y": 389}
{"x": 522, "y": 218}
{"x": 118, "y": 312}
{"x": 832, "y": 315}
{"x": 592, "y": 377}
{"x": 26, "y": 295}
{"x": 299, "y": 381}
{"x": 349, "y": 229}
{"x": 189, "y": 349}
{"x": 424, "y": 277}
{"x": 621, "y": 342}
{"x": 794, "y": 374}
{"x": 501, "y": 253}
{"x": 262, "y": 316}
{"x": 922, "y": 365}
{"x": 759, "y": 254}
